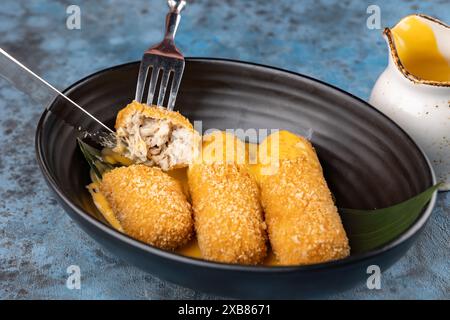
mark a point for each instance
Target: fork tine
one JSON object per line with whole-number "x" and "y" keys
{"x": 143, "y": 70}
{"x": 174, "y": 91}
{"x": 163, "y": 87}
{"x": 163, "y": 57}
{"x": 152, "y": 85}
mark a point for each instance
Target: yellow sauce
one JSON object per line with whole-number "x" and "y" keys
{"x": 418, "y": 50}
{"x": 181, "y": 176}
{"x": 103, "y": 206}
{"x": 115, "y": 158}
{"x": 192, "y": 250}
{"x": 287, "y": 147}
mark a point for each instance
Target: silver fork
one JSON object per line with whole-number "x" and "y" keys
{"x": 165, "y": 59}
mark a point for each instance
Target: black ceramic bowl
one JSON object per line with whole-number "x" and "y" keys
{"x": 368, "y": 162}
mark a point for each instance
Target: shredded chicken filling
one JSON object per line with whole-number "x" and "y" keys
{"x": 156, "y": 141}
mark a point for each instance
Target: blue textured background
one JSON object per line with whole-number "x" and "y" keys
{"x": 325, "y": 39}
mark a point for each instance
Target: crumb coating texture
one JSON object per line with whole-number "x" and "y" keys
{"x": 303, "y": 223}
{"x": 149, "y": 204}
{"x": 152, "y": 112}
{"x": 228, "y": 216}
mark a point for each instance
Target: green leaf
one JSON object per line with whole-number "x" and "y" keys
{"x": 94, "y": 158}
{"x": 369, "y": 229}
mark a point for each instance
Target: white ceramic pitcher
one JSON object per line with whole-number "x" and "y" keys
{"x": 414, "y": 90}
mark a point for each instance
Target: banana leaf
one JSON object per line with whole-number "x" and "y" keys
{"x": 94, "y": 158}
{"x": 369, "y": 229}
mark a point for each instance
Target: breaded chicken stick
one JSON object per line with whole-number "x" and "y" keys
{"x": 228, "y": 216}
{"x": 149, "y": 204}
{"x": 303, "y": 223}
{"x": 155, "y": 136}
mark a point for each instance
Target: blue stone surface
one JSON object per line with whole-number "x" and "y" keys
{"x": 325, "y": 39}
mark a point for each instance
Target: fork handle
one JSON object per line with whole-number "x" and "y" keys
{"x": 173, "y": 18}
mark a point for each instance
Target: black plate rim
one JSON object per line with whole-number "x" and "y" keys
{"x": 419, "y": 223}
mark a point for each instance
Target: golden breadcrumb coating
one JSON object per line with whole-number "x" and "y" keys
{"x": 225, "y": 198}
{"x": 149, "y": 204}
{"x": 228, "y": 216}
{"x": 221, "y": 146}
{"x": 280, "y": 145}
{"x": 153, "y": 112}
{"x": 304, "y": 225}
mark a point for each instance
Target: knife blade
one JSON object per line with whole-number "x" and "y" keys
{"x": 42, "y": 92}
